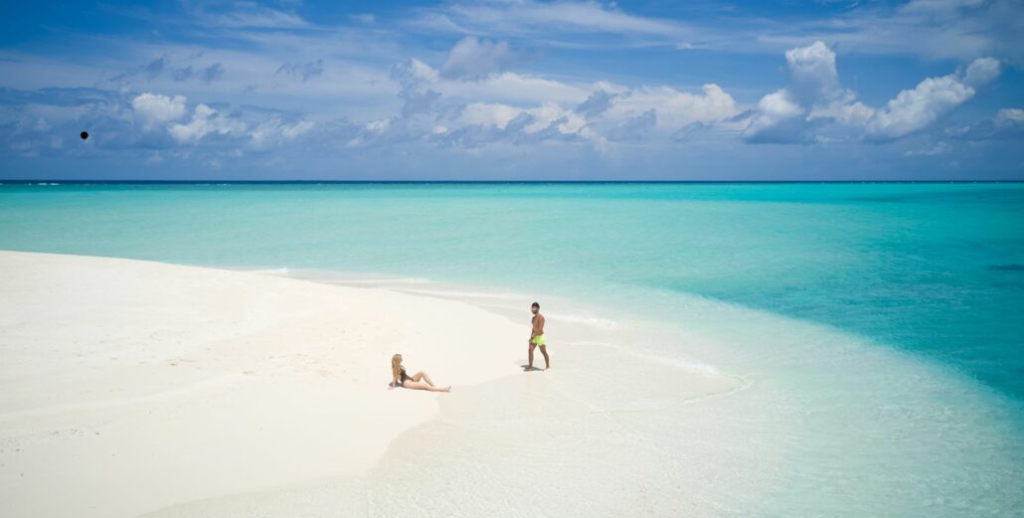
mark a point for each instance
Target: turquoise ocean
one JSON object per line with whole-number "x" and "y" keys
{"x": 932, "y": 273}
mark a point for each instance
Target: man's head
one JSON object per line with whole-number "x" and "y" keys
{"x": 535, "y": 308}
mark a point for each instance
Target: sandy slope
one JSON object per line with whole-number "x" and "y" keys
{"x": 129, "y": 386}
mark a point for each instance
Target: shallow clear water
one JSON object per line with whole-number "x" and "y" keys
{"x": 934, "y": 269}
{"x": 877, "y": 326}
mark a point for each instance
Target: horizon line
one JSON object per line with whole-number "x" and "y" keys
{"x": 218, "y": 181}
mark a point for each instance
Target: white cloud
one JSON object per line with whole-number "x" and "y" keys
{"x": 205, "y": 121}
{"x": 488, "y": 114}
{"x": 773, "y": 112}
{"x": 510, "y": 87}
{"x": 303, "y": 71}
{"x": 154, "y": 109}
{"x": 813, "y": 90}
{"x": 939, "y": 29}
{"x": 532, "y": 120}
{"x": 480, "y": 123}
{"x": 675, "y": 109}
{"x": 549, "y": 114}
{"x": 379, "y": 126}
{"x": 421, "y": 87}
{"x": 1007, "y": 124}
{"x": 1010, "y": 117}
{"x": 596, "y": 104}
{"x": 475, "y": 59}
{"x": 521, "y": 109}
{"x": 415, "y": 78}
{"x": 813, "y": 74}
{"x": 635, "y": 128}
{"x": 931, "y": 28}
{"x": 238, "y": 15}
{"x": 814, "y": 98}
{"x": 413, "y": 73}
{"x": 527, "y": 17}
{"x": 845, "y": 111}
{"x": 913, "y": 110}
{"x": 388, "y": 130}
{"x": 982, "y": 72}
{"x": 812, "y": 107}
{"x": 274, "y": 131}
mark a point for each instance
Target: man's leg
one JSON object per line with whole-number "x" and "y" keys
{"x": 532, "y": 345}
{"x": 547, "y": 361}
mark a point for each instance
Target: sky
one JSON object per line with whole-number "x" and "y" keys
{"x": 825, "y": 90}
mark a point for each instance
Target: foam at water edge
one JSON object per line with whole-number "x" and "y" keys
{"x": 689, "y": 366}
{"x": 463, "y": 294}
{"x": 598, "y": 322}
{"x": 385, "y": 280}
{"x": 272, "y": 271}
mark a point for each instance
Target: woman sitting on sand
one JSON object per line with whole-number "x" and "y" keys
{"x": 400, "y": 379}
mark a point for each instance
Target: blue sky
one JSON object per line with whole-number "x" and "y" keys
{"x": 532, "y": 90}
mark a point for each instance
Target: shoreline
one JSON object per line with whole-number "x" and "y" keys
{"x": 287, "y": 377}
{"x": 511, "y": 407}
{"x": 609, "y": 409}
{"x": 753, "y": 448}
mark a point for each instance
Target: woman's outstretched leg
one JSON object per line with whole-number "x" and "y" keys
{"x": 423, "y": 376}
{"x": 419, "y": 385}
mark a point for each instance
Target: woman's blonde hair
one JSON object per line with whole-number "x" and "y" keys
{"x": 396, "y": 363}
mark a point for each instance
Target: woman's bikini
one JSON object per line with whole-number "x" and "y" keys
{"x": 402, "y": 377}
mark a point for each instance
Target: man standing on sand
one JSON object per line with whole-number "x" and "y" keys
{"x": 537, "y": 337}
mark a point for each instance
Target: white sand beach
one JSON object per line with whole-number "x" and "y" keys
{"x": 127, "y": 386}
{"x": 131, "y": 387}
